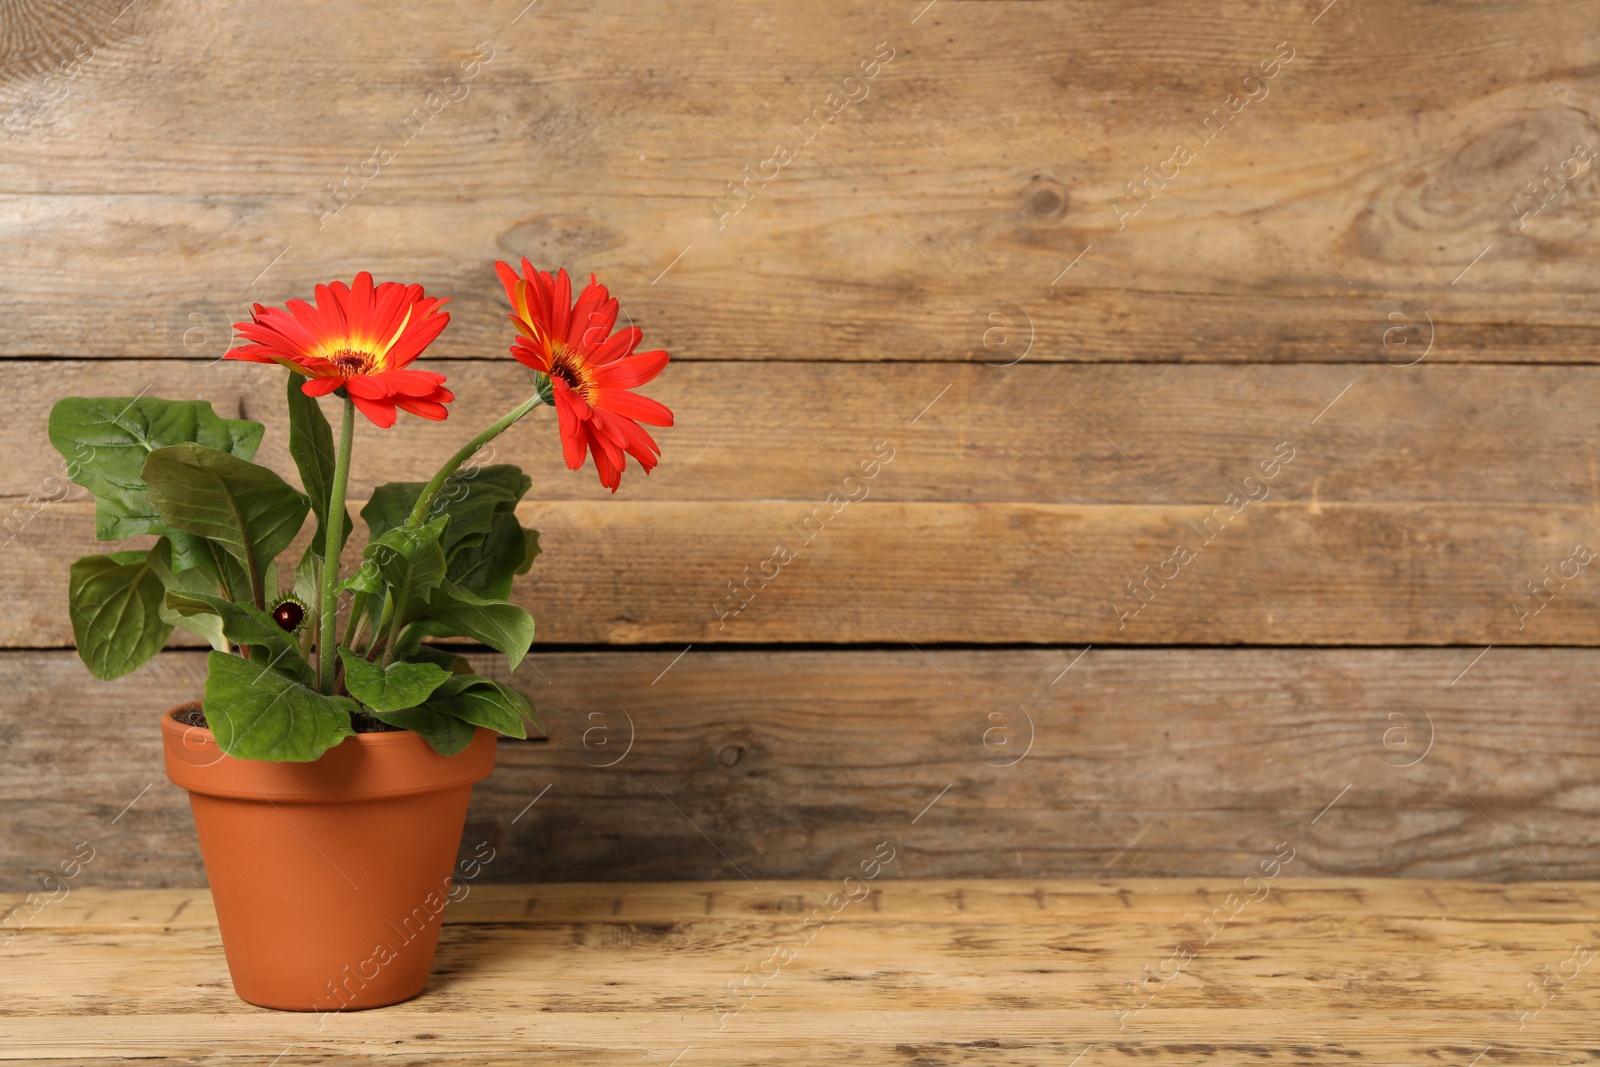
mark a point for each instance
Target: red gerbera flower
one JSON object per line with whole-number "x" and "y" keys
{"x": 591, "y": 369}
{"x": 358, "y": 337}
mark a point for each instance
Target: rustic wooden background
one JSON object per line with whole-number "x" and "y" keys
{"x": 952, "y": 269}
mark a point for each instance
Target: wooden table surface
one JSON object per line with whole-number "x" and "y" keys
{"x": 1288, "y": 970}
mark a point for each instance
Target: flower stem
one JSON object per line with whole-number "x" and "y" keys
{"x": 222, "y": 571}
{"x": 399, "y": 621}
{"x": 327, "y": 656}
{"x": 419, "y": 513}
{"x": 385, "y": 618}
{"x": 358, "y": 609}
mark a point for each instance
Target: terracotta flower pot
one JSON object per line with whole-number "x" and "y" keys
{"x": 329, "y": 877}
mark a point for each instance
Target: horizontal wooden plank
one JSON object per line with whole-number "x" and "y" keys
{"x": 1352, "y": 182}
{"x": 624, "y": 572}
{"x": 1027, "y": 971}
{"x": 1011, "y": 901}
{"x": 1112, "y": 434}
{"x": 760, "y": 765}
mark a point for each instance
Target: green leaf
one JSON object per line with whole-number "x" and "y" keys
{"x": 393, "y": 688}
{"x": 455, "y": 612}
{"x": 531, "y": 553}
{"x": 448, "y": 735}
{"x": 311, "y": 445}
{"x": 199, "y": 556}
{"x": 115, "y": 605}
{"x": 257, "y": 713}
{"x": 471, "y": 499}
{"x": 389, "y": 506}
{"x": 105, "y": 441}
{"x": 482, "y": 702}
{"x": 269, "y": 583}
{"x": 410, "y": 561}
{"x": 193, "y": 580}
{"x": 246, "y": 508}
{"x": 245, "y": 625}
{"x": 486, "y": 569}
{"x": 364, "y": 579}
{"x": 308, "y": 587}
{"x": 439, "y": 657}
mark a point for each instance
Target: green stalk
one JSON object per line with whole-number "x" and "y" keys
{"x": 358, "y": 609}
{"x": 305, "y": 640}
{"x": 378, "y": 631}
{"x": 399, "y": 621}
{"x": 419, "y": 513}
{"x": 222, "y": 571}
{"x": 327, "y": 656}
{"x": 225, "y": 593}
{"x": 253, "y": 569}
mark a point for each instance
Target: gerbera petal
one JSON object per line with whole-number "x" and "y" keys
{"x": 509, "y": 279}
{"x": 381, "y": 413}
{"x": 638, "y": 443}
{"x": 418, "y": 383}
{"x": 253, "y": 353}
{"x": 523, "y": 328}
{"x": 532, "y": 310}
{"x": 586, "y": 331}
{"x": 560, "y": 304}
{"x": 537, "y": 301}
{"x": 528, "y": 355}
{"x": 358, "y": 306}
{"x": 330, "y": 302}
{"x": 299, "y": 322}
{"x": 391, "y": 307}
{"x": 368, "y": 386}
{"x": 428, "y": 409}
{"x": 569, "y": 402}
{"x": 633, "y": 406}
{"x": 574, "y": 441}
{"x": 632, "y": 371}
{"x": 258, "y": 332}
{"x": 276, "y": 326}
{"x": 624, "y": 435}
{"x": 317, "y": 366}
{"x": 618, "y": 345}
{"x": 600, "y": 323}
{"x": 417, "y": 336}
{"x": 608, "y": 460}
{"x": 321, "y": 386}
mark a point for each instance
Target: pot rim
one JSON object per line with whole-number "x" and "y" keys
{"x": 383, "y": 737}
{"x": 388, "y": 764}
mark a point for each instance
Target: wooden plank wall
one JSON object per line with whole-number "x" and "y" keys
{"x": 1239, "y": 390}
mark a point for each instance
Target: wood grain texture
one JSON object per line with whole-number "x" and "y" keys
{"x": 1015, "y": 971}
{"x": 996, "y": 146}
{"x": 620, "y": 572}
{"x": 1425, "y": 763}
{"x": 1039, "y": 434}
{"x": 1355, "y": 265}
{"x": 1415, "y": 506}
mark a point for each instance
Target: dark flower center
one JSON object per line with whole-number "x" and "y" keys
{"x": 351, "y": 362}
{"x": 560, "y": 369}
{"x": 289, "y": 615}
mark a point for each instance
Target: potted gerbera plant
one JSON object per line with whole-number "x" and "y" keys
{"x": 331, "y": 757}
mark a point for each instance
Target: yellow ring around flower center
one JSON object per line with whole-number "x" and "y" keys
{"x": 360, "y": 355}
{"x": 572, "y": 369}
